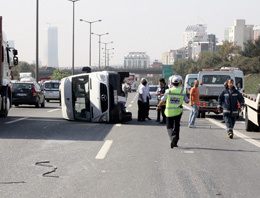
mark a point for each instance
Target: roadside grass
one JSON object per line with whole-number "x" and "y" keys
{"x": 252, "y": 82}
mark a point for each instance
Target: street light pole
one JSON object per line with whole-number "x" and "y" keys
{"x": 99, "y": 35}
{"x": 37, "y": 42}
{"x": 90, "y": 23}
{"x": 108, "y": 55}
{"x": 106, "y": 51}
{"x": 73, "y": 27}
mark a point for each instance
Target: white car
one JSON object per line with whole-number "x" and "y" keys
{"x": 51, "y": 90}
{"x": 154, "y": 99}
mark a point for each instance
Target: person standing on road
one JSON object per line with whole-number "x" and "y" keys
{"x": 160, "y": 94}
{"x": 194, "y": 102}
{"x": 229, "y": 98}
{"x": 142, "y": 100}
{"x": 173, "y": 98}
{"x": 125, "y": 88}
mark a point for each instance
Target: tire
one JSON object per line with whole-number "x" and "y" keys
{"x": 38, "y": 104}
{"x": 16, "y": 105}
{"x": 203, "y": 114}
{"x": 250, "y": 126}
{"x": 43, "y": 103}
{"x": 4, "y": 112}
{"x": 198, "y": 116}
{"x": 48, "y": 100}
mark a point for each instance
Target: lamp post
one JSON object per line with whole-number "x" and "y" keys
{"x": 108, "y": 55}
{"x": 106, "y": 51}
{"x": 73, "y": 27}
{"x": 99, "y": 41}
{"x": 37, "y": 42}
{"x": 108, "y": 58}
{"x": 90, "y": 23}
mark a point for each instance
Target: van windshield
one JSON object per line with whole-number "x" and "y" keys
{"x": 51, "y": 85}
{"x": 191, "y": 81}
{"x": 215, "y": 79}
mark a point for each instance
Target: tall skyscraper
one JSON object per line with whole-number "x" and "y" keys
{"x": 51, "y": 47}
{"x": 195, "y": 33}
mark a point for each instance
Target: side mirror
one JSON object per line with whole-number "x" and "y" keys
{"x": 15, "y": 52}
{"x": 15, "y": 60}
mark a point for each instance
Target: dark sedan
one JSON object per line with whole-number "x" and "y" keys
{"x": 28, "y": 93}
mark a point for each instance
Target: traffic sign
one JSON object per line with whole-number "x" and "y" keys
{"x": 167, "y": 71}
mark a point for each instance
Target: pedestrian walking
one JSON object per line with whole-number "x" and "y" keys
{"x": 142, "y": 100}
{"x": 163, "y": 87}
{"x": 173, "y": 98}
{"x": 194, "y": 102}
{"x": 229, "y": 98}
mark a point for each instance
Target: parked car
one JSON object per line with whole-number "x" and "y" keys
{"x": 27, "y": 93}
{"x": 51, "y": 90}
{"x": 152, "y": 90}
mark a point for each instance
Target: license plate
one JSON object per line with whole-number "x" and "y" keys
{"x": 21, "y": 94}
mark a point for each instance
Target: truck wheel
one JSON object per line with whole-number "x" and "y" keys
{"x": 4, "y": 112}
{"x": 198, "y": 116}
{"x": 250, "y": 126}
{"x": 203, "y": 114}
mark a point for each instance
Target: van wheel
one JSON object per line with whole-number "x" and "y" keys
{"x": 250, "y": 126}
{"x": 198, "y": 116}
{"x": 203, "y": 114}
{"x": 48, "y": 100}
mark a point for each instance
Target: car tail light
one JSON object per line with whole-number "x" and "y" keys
{"x": 34, "y": 91}
{"x": 204, "y": 104}
{"x": 11, "y": 87}
{"x": 238, "y": 105}
{"x": 199, "y": 104}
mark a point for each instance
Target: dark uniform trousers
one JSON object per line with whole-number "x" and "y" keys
{"x": 173, "y": 126}
{"x": 141, "y": 110}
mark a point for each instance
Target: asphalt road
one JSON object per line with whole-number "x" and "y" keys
{"x": 43, "y": 155}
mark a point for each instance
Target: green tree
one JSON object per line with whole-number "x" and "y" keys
{"x": 23, "y": 67}
{"x": 228, "y": 50}
{"x": 251, "y": 49}
{"x": 58, "y": 75}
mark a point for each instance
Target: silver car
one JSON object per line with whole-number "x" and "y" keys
{"x": 51, "y": 90}
{"x": 154, "y": 99}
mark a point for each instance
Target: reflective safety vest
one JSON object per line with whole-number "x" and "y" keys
{"x": 174, "y": 102}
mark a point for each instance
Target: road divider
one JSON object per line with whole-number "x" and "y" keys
{"x": 104, "y": 150}
{"x": 13, "y": 121}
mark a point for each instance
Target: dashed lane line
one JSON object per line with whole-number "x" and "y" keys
{"x": 104, "y": 150}
{"x": 53, "y": 110}
{"x": 130, "y": 105}
{"x": 20, "y": 119}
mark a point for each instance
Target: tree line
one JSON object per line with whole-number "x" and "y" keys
{"x": 228, "y": 55}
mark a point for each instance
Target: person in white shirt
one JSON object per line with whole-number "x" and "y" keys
{"x": 142, "y": 100}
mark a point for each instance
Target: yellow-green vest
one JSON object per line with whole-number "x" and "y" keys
{"x": 174, "y": 102}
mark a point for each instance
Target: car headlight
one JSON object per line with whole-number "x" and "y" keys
{"x": 101, "y": 77}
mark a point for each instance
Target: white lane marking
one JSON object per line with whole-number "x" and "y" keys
{"x": 20, "y": 119}
{"x": 118, "y": 124}
{"x": 132, "y": 101}
{"x": 53, "y": 110}
{"x": 187, "y": 107}
{"x": 242, "y": 136}
{"x": 189, "y": 152}
{"x": 103, "y": 151}
{"x": 130, "y": 105}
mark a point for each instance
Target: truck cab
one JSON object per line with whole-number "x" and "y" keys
{"x": 211, "y": 84}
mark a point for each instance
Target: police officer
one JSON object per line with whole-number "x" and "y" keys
{"x": 173, "y": 98}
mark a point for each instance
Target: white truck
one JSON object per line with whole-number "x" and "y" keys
{"x": 211, "y": 84}
{"x": 251, "y": 112}
{"x": 8, "y": 60}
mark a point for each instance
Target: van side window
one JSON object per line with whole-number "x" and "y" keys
{"x": 239, "y": 82}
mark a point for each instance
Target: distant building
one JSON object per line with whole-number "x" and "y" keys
{"x": 239, "y": 33}
{"x": 156, "y": 63}
{"x": 51, "y": 47}
{"x": 192, "y": 32}
{"x": 168, "y": 58}
{"x": 136, "y": 60}
{"x": 256, "y": 31}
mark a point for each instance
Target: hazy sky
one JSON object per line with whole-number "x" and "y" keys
{"x": 151, "y": 26}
